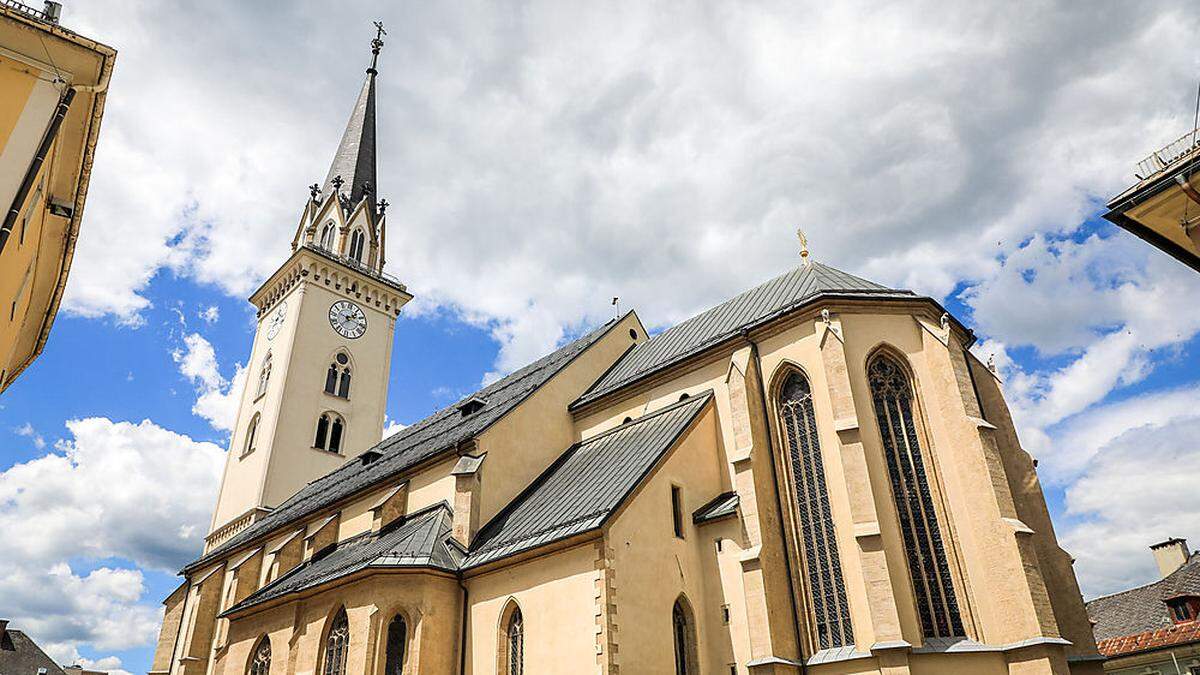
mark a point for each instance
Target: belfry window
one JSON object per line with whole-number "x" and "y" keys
{"x": 330, "y": 429}
{"x": 358, "y": 242}
{"x": 261, "y": 663}
{"x": 264, "y": 376}
{"x": 337, "y": 377}
{"x": 251, "y": 434}
{"x": 327, "y": 235}
{"x": 933, "y": 589}
{"x": 822, "y": 566}
{"x": 397, "y": 637}
{"x": 513, "y": 643}
{"x": 336, "y": 645}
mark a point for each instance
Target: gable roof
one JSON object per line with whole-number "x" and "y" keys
{"x": 422, "y": 540}
{"x": 20, "y": 655}
{"x": 585, "y": 485}
{"x": 1124, "y": 620}
{"x": 439, "y": 433}
{"x": 751, "y": 308}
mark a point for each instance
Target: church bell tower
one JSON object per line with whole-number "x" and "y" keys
{"x": 318, "y": 372}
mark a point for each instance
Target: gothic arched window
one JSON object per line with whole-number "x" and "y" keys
{"x": 264, "y": 375}
{"x": 337, "y": 378}
{"x": 344, "y": 384}
{"x": 330, "y": 429}
{"x": 513, "y": 643}
{"x": 933, "y": 589}
{"x": 251, "y": 434}
{"x": 683, "y": 636}
{"x": 822, "y": 565}
{"x": 397, "y": 638}
{"x": 358, "y": 242}
{"x": 260, "y": 664}
{"x": 336, "y": 644}
{"x": 331, "y": 377}
{"x": 327, "y": 235}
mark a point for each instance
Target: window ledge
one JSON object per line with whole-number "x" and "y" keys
{"x": 340, "y": 398}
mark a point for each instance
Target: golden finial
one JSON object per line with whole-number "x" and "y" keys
{"x": 803, "y": 246}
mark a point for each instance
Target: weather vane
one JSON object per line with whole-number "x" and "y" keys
{"x": 803, "y": 246}
{"x": 376, "y": 45}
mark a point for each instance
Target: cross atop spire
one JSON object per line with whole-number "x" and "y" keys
{"x": 354, "y": 160}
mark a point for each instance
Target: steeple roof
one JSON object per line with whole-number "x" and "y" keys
{"x": 354, "y": 160}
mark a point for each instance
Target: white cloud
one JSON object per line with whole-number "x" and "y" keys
{"x": 216, "y": 398}
{"x": 391, "y": 427}
{"x": 29, "y": 432}
{"x": 210, "y": 314}
{"x": 114, "y": 491}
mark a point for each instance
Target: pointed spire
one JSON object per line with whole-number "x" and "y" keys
{"x": 354, "y": 160}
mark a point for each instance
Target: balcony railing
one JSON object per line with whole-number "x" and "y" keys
{"x": 48, "y": 14}
{"x": 1167, "y": 155}
{"x": 354, "y": 264}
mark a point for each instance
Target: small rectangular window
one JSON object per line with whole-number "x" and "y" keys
{"x": 677, "y": 510}
{"x": 733, "y": 669}
{"x": 725, "y": 614}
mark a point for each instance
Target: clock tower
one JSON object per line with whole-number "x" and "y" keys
{"x": 317, "y": 378}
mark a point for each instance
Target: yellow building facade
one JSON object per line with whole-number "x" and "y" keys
{"x": 53, "y": 84}
{"x": 813, "y": 476}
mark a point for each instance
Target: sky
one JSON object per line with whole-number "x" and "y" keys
{"x": 541, "y": 158}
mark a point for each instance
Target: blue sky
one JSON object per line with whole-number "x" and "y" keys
{"x": 540, "y": 162}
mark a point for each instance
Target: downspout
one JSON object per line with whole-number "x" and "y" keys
{"x": 787, "y": 563}
{"x": 60, "y": 113}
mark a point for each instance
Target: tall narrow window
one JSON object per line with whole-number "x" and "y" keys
{"x": 251, "y": 434}
{"x": 397, "y": 637}
{"x": 264, "y": 376}
{"x": 822, "y": 565}
{"x": 684, "y": 639}
{"x": 933, "y": 589}
{"x": 677, "y": 510}
{"x": 261, "y": 663}
{"x": 331, "y": 377}
{"x": 514, "y": 643}
{"x": 322, "y": 432}
{"x": 335, "y": 435}
{"x": 327, "y": 235}
{"x": 336, "y": 643}
{"x": 344, "y": 384}
{"x": 358, "y": 242}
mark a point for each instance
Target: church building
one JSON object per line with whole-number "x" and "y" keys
{"x": 813, "y": 476}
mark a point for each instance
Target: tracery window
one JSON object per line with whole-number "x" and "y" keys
{"x": 251, "y": 434}
{"x": 336, "y": 645}
{"x": 397, "y": 637}
{"x": 684, "y": 638}
{"x": 358, "y": 242}
{"x": 330, "y": 429}
{"x": 261, "y": 663}
{"x": 337, "y": 377}
{"x": 937, "y": 606}
{"x": 264, "y": 375}
{"x": 327, "y": 235}
{"x": 514, "y": 643}
{"x": 818, "y": 542}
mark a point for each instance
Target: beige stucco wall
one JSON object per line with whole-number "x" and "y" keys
{"x": 556, "y": 595}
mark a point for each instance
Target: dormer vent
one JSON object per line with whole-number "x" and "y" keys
{"x": 471, "y": 406}
{"x": 369, "y": 456}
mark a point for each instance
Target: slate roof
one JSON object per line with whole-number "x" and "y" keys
{"x": 756, "y": 306}
{"x": 354, "y": 160}
{"x": 434, "y": 435}
{"x": 1142, "y": 610}
{"x": 722, "y": 505}
{"x": 585, "y": 485}
{"x": 19, "y": 655}
{"x": 421, "y": 540}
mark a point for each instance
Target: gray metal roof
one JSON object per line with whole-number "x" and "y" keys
{"x": 20, "y": 655}
{"x": 422, "y": 540}
{"x": 354, "y": 160}
{"x": 585, "y": 485}
{"x": 1143, "y": 609}
{"x": 434, "y": 435}
{"x": 724, "y": 504}
{"x": 755, "y": 306}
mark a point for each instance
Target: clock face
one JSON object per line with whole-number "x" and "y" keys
{"x": 276, "y": 320}
{"x": 347, "y": 319}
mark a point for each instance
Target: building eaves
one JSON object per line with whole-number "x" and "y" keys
{"x": 1138, "y": 611}
{"x": 721, "y": 506}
